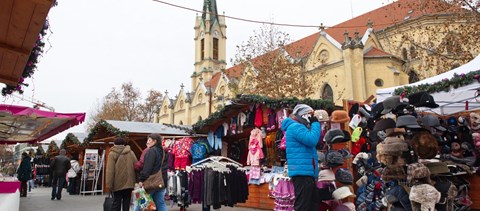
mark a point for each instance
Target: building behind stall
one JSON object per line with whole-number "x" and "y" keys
{"x": 353, "y": 59}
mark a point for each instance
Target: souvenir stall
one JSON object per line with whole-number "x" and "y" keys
{"x": 247, "y": 130}
{"x": 451, "y": 99}
{"x": 104, "y": 132}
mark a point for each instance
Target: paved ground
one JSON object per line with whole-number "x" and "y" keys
{"x": 39, "y": 200}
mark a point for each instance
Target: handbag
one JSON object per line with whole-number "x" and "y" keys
{"x": 108, "y": 203}
{"x": 155, "y": 181}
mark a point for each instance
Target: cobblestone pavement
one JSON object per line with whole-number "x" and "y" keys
{"x": 39, "y": 200}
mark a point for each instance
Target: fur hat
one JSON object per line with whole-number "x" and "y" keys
{"x": 344, "y": 176}
{"x": 422, "y": 99}
{"x": 343, "y": 192}
{"x": 417, "y": 171}
{"x": 334, "y": 158}
{"x": 392, "y": 145}
{"x": 425, "y": 145}
{"x": 393, "y": 173}
{"x": 395, "y": 132}
{"x": 390, "y": 159}
{"x": 321, "y": 115}
{"x": 426, "y": 195}
{"x": 384, "y": 124}
{"x": 340, "y": 116}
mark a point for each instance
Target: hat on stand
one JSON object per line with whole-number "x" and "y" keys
{"x": 422, "y": 99}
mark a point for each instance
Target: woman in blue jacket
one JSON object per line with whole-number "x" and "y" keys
{"x": 302, "y": 135}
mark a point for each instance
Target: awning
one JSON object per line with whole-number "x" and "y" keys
{"x": 19, "y": 124}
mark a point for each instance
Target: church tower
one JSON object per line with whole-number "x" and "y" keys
{"x": 210, "y": 43}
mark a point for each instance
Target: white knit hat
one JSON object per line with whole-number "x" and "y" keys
{"x": 343, "y": 192}
{"x": 302, "y": 109}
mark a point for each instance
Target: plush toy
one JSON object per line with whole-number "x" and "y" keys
{"x": 456, "y": 150}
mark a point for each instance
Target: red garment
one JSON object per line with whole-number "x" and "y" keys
{"x": 357, "y": 146}
{"x": 259, "y": 116}
{"x": 138, "y": 166}
{"x": 181, "y": 148}
{"x": 181, "y": 163}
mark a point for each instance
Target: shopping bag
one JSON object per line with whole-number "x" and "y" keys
{"x": 108, "y": 203}
{"x": 141, "y": 200}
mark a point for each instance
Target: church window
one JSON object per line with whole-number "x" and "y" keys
{"x": 181, "y": 104}
{"x": 413, "y": 52}
{"x": 327, "y": 93}
{"x": 202, "y": 48}
{"x": 165, "y": 109}
{"x": 181, "y": 122}
{"x": 200, "y": 98}
{"x": 404, "y": 54}
{"x": 215, "y": 48}
{"x": 379, "y": 82}
{"x": 413, "y": 77}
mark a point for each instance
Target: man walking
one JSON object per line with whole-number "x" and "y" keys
{"x": 59, "y": 167}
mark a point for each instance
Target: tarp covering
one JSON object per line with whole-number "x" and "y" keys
{"x": 454, "y": 100}
{"x": 19, "y": 124}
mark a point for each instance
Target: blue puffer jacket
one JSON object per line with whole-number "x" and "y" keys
{"x": 302, "y": 156}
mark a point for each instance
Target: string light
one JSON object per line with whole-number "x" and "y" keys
{"x": 266, "y": 22}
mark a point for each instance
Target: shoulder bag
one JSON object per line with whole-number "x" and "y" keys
{"x": 155, "y": 181}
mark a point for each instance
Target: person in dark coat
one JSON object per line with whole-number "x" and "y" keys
{"x": 59, "y": 167}
{"x": 24, "y": 173}
{"x": 153, "y": 164}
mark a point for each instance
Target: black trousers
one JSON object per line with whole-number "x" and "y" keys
{"x": 305, "y": 193}
{"x": 121, "y": 199}
{"x": 23, "y": 188}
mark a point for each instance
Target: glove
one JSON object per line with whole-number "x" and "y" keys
{"x": 313, "y": 119}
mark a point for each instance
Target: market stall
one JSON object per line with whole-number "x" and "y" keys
{"x": 247, "y": 131}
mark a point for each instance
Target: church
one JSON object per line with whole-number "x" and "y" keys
{"x": 353, "y": 58}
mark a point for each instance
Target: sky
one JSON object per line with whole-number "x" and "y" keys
{"x": 96, "y": 45}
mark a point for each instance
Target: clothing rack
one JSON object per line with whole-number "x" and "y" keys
{"x": 217, "y": 159}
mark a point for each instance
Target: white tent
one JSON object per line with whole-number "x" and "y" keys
{"x": 452, "y": 101}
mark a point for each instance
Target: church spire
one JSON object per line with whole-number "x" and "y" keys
{"x": 210, "y": 12}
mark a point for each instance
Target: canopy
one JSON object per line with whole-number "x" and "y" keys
{"x": 19, "y": 124}
{"x": 455, "y": 99}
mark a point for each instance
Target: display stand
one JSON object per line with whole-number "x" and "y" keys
{"x": 91, "y": 169}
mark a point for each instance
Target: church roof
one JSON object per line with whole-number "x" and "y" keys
{"x": 232, "y": 72}
{"x": 375, "y": 52}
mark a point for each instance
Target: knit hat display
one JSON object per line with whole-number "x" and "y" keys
{"x": 425, "y": 145}
{"x": 340, "y": 116}
{"x": 395, "y": 132}
{"x": 384, "y": 124}
{"x": 120, "y": 141}
{"x": 344, "y": 176}
{"x": 345, "y": 153}
{"x": 426, "y": 195}
{"x": 321, "y": 115}
{"x": 302, "y": 109}
{"x": 418, "y": 171}
{"x": 350, "y": 205}
{"x": 343, "y": 192}
{"x": 362, "y": 181}
{"x": 407, "y": 121}
{"x": 321, "y": 157}
{"x": 334, "y": 158}
{"x": 326, "y": 175}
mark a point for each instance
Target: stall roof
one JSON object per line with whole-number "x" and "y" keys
{"x": 455, "y": 99}
{"x": 19, "y": 124}
{"x": 20, "y": 24}
{"x": 149, "y": 127}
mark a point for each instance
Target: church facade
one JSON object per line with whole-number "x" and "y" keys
{"x": 349, "y": 61}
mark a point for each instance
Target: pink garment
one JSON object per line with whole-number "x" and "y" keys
{"x": 181, "y": 148}
{"x": 255, "y": 172}
{"x": 138, "y": 166}
{"x": 255, "y": 153}
{"x": 257, "y": 134}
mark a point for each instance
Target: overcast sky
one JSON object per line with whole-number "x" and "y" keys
{"x": 95, "y": 45}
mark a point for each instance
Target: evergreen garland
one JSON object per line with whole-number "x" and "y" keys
{"x": 269, "y": 102}
{"x": 70, "y": 139}
{"x": 32, "y": 61}
{"x": 102, "y": 124}
{"x": 53, "y": 149}
{"x": 442, "y": 86}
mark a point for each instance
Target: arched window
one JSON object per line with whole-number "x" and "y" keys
{"x": 413, "y": 52}
{"x": 215, "y": 48}
{"x": 413, "y": 77}
{"x": 327, "y": 92}
{"x": 181, "y": 122}
{"x": 404, "y": 54}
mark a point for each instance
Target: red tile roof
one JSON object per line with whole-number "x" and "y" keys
{"x": 375, "y": 52}
{"x": 232, "y": 72}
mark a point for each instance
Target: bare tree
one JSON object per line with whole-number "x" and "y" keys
{"x": 126, "y": 105}
{"x": 273, "y": 72}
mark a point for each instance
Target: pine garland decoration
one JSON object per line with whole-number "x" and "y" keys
{"x": 103, "y": 124}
